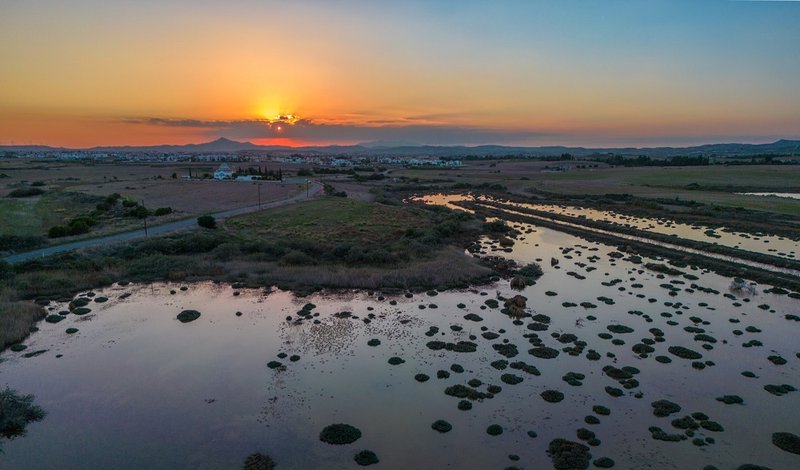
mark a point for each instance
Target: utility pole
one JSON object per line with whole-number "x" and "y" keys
{"x": 145, "y": 218}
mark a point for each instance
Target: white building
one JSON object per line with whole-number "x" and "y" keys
{"x": 223, "y": 172}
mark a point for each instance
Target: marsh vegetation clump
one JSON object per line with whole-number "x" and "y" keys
{"x": 684, "y": 353}
{"x": 442, "y": 425}
{"x": 434, "y": 345}
{"x": 601, "y": 410}
{"x": 604, "y": 462}
{"x": 274, "y": 364}
{"x": 463, "y": 391}
{"x": 731, "y": 399}
{"x": 518, "y": 282}
{"x": 464, "y": 405}
{"x": 187, "y": 316}
{"x": 787, "y": 441}
{"x": 506, "y": 349}
{"x": 421, "y": 377}
{"x": 339, "y": 434}
{"x": 366, "y": 457}
{"x": 511, "y": 379}
{"x": 573, "y": 378}
{"x": 779, "y": 390}
{"x": 52, "y": 318}
{"x": 543, "y": 352}
{"x": 661, "y": 435}
{"x": 568, "y": 455}
{"x": 531, "y": 272}
{"x": 713, "y": 426}
{"x": 500, "y": 364}
{"x": 519, "y": 365}
{"x": 552, "y": 396}
{"x": 619, "y": 329}
{"x": 663, "y": 408}
{"x": 396, "y": 361}
{"x": 777, "y": 360}
{"x": 258, "y": 462}
{"x": 71, "y": 331}
{"x": 494, "y": 430}
{"x": 16, "y": 412}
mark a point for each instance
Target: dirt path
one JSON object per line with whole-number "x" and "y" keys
{"x": 185, "y": 224}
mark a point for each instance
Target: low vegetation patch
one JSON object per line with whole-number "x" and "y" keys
{"x": 187, "y": 316}
{"x": 26, "y": 192}
{"x": 339, "y": 434}
{"x": 16, "y": 411}
{"x": 366, "y": 457}
{"x": 787, "y": 441}
{"x": 258, "y": 462}
{"x": 568, "y": 454}
{"x": 16, "y": 319}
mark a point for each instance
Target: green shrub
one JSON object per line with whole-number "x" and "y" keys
{"x": 163, "y": 211}
{"x": 206, "y": 221}
{"x": 129, "y": 203}
{"x": 77, "y": 227}
{"x": 26, "y": 192}
{"x": 57, "y": 231}
{"x": 139, "y": 211}
{"x": 296, "y": 257}
{"x": 19, "y": 242}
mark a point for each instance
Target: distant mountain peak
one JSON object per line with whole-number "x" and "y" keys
{"x": 223, "y": 143}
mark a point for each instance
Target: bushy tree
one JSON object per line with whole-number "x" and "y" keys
{"x": 206, "y": 221}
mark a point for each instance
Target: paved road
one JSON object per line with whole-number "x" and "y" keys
{"x": 156, "y": 230}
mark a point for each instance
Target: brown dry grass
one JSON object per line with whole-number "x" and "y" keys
{"x": 16, "y": 319}
{"x": 449, "y": 267}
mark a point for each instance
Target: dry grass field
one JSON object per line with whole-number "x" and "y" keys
{"x": 72, "y": 189}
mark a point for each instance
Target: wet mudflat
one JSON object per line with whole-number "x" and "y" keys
{"x": 636, "y": 365}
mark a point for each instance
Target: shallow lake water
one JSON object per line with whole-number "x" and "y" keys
{"x": 783, "y": 195}
{"x": 135, "y": 388}
{"x": 758, "y": 242}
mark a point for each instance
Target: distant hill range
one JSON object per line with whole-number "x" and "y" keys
{"x": 780, "y": 147}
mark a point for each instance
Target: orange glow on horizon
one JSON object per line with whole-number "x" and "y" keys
{"x": 285, "y": 142}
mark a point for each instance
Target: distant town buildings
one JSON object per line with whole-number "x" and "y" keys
{"x": 223, "y": 172}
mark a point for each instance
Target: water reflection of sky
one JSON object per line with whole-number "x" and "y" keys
{"x": 758, "y": 243}
{"x": 137, "y": 389}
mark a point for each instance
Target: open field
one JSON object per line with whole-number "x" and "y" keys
{"x": 73, "y": 190}
{"x": 715, "y": 184}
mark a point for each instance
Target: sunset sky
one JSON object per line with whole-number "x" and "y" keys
{"x": 592, "y": 73}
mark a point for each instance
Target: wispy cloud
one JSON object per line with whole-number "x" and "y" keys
{"x": 386, "y": 130}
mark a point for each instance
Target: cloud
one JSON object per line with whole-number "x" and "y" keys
{"x": 377, "y": 131}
